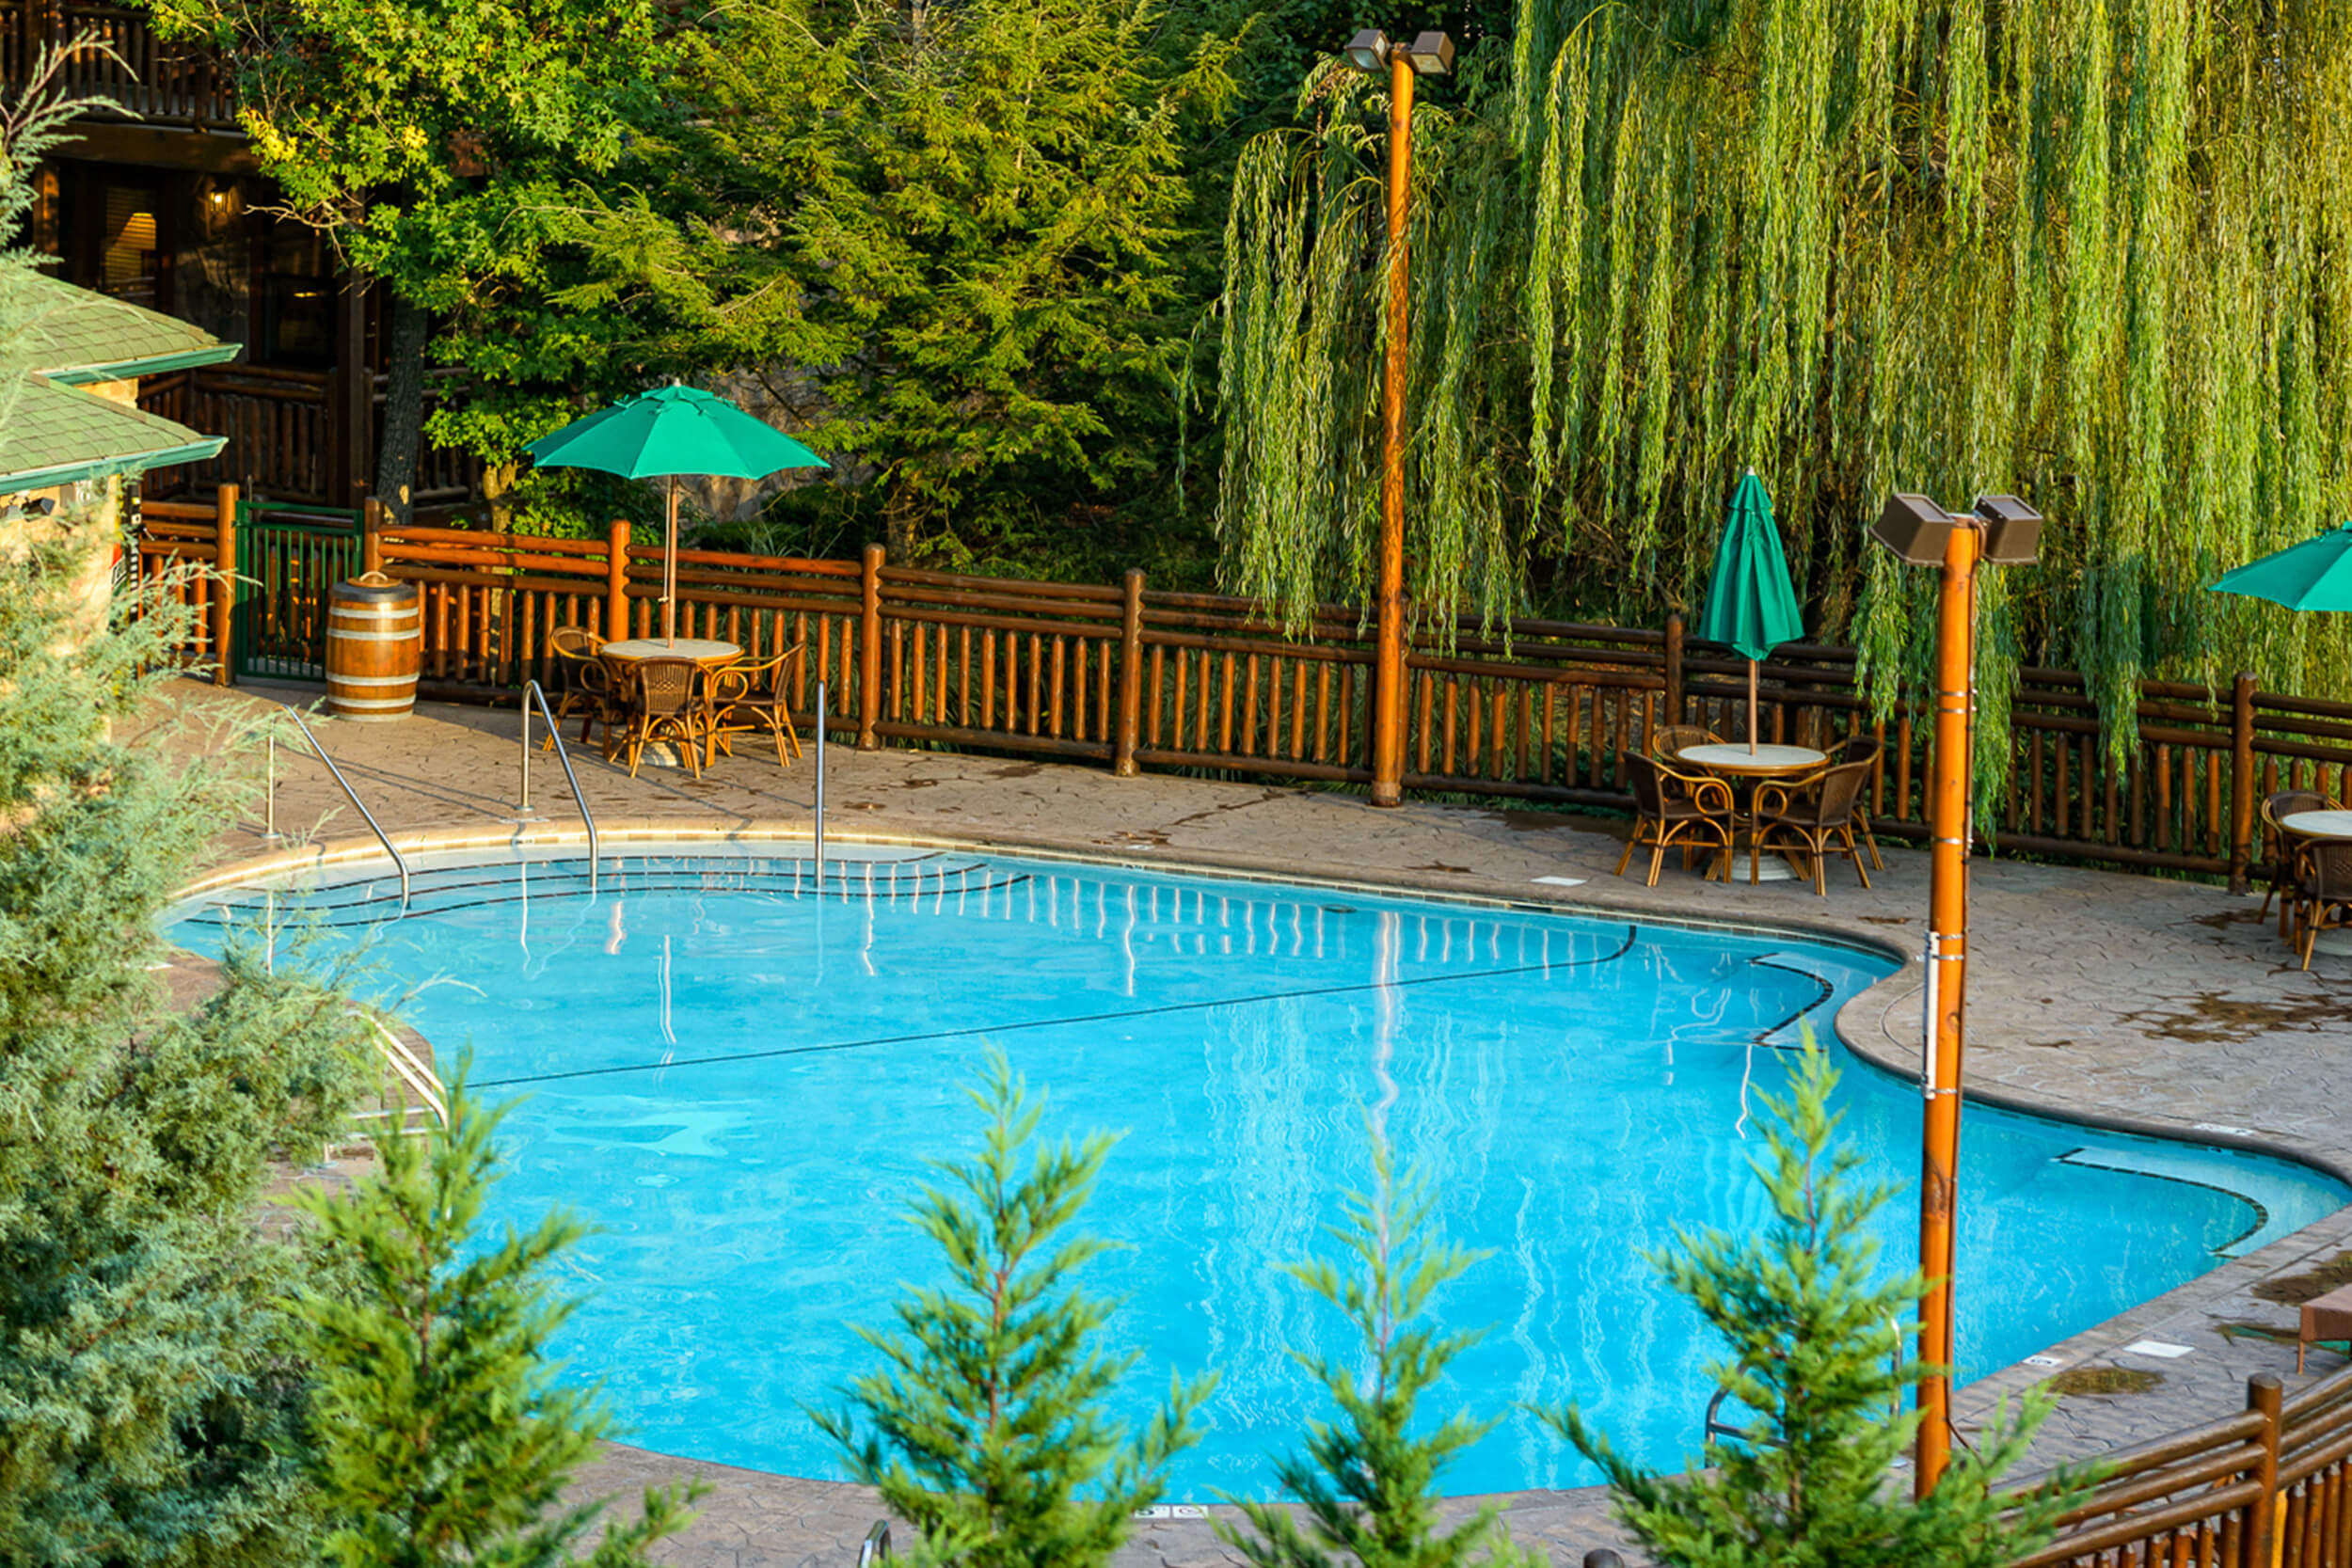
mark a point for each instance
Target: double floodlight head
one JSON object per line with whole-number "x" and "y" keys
{"x": 1430, "y": 55}
{"x": 1917, "y": 530}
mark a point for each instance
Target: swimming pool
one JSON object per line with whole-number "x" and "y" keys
{"x": 740, "y": 1079}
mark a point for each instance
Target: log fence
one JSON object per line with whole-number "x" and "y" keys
{"x": 1131, "y": 678}
{"x": 2269, "y": 1487}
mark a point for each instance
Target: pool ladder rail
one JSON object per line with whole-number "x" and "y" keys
{"x": 533, "y": 694}
{"x": 269, "y": 824}
{"x": 414, "y": 1072}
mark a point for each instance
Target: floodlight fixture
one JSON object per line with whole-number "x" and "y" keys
{"x": 1433, "y": 53}
{"x": 1914, "y": 528}
{"x": 1368, "y": 51}
{"x": 2012, "y": 530}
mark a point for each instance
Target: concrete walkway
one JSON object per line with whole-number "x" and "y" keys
{"x": 2159, "y": 1006}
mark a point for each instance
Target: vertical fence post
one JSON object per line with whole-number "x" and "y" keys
{"x": 371, "y": 535}
{"x": 2241, "y": 782}
{"x": 1672, "y": 714}
{"x": 869, "y": 649}
{"x": 225, "y": 585}
{"x": 816, "y": 819}
{"x": 1130, "y": 675}
{"x": 2262, "y": 1396}
{"x": 617, "y": 581}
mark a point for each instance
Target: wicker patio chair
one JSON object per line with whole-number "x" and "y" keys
{"x": 1870, "y": 749}
{"x": 583, "y": 684}
{"x": 1676, "y": 811}
{"x": 672, "y": 705}
{"x": 1667, "y": 740}
{"x": 2323, "y": 890}
{"x": 1812, "y": 816}
{"x": 2284, "y": 845}
{"x": 754, "y": 697}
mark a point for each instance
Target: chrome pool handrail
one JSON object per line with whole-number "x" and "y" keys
{"x": 349, "y": 794}
{"x": 532, "y": 693}
{"x": 419, "y": 1075}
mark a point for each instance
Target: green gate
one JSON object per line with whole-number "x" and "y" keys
{"x": 288, "y": 558}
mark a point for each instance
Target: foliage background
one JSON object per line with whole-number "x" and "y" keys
{"x": 2083, "y": 251}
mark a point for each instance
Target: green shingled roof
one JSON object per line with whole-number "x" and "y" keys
{"x": 61, "y": 338}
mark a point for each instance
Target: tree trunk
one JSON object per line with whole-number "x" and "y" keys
{"x": 404, "y": 412}
{"x": 498, "y": 489}
{"x": 901, "y": 513}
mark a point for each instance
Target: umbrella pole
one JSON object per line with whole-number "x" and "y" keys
{"x": 669, "y": 570}
{"x": 1752, "y": 711}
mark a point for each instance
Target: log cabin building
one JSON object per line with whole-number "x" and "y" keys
{"x": 167, "y": 211}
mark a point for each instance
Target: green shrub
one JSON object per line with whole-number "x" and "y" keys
{"x": 441, "y": 1435}
{"x": 986, "y": 1430}
{"x": 1367, "y": 1483}
{"x": 1814, "y": 1339}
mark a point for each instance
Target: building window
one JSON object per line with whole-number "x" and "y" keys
{"x": 131, "y": 265}
{"x": 297, "y": 305}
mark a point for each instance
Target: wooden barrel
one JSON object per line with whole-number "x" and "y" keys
{"x": 374, "y": 644}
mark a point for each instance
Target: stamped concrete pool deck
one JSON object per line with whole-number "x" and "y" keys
{"x": 2165, "y": 1006}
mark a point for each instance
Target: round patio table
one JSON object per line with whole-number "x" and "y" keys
{"x": 709, "y": 653}
{"x": 703, "y": 651}
{"x": 2323, "y": 824}
{"x": 1733, "y": 759}
{"x": 1765, "y": 762}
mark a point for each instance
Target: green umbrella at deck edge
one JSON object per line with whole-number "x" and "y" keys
{"x": 667, "y": 432}
{"x": 1751, "y": 603}
{"x": 2313, "y": 575}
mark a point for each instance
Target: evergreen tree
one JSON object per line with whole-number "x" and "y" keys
{"x": 1368, "y": 1481}
{"x": 441, "y": 1433}
{"x": 986, "y": 1430}
{"x": 147, "y": 1413}
{"x": 948, "y": 234}
{"x": 1814, "y": 1339}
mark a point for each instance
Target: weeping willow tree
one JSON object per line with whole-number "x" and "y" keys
{"x": 2094, "y": 252}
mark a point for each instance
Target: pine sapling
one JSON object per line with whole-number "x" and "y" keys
{"x": 1814, "y": 1338}
{"x": 442, "y": 1435}
{"x": 986, "y": 1429}
{"x": 1367, "y": 1482}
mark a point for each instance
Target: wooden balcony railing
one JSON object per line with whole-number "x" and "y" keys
{"x": 281, "y": 433}
{"x": 162, "y": 83}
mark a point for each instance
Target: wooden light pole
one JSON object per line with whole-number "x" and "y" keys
{"x": 2002, "y": 529}
{"x": 1944, "y": 1025}
{"x": 1430, "y": 55}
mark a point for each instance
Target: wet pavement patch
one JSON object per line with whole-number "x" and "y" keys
{"x": 2103, "y": 1380}
{"x": 2294, "y": 1290}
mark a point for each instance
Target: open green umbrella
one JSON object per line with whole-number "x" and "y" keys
{"x": 664, "y": 433}
{"x": 2313, "y": 575}
{"x": 1751, "y": 603}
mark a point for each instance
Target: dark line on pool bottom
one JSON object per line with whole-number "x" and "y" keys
{"x": 1764, "y": 1037}
{"x": 1633, "y": 934}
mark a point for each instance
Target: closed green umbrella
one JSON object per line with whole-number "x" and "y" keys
{"x": 1751, "y": 604}
{"x": 667, "y": 432}
{"x": 2313, "y": 575}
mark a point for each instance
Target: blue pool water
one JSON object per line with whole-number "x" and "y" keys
{"x": 740, "y": 1081}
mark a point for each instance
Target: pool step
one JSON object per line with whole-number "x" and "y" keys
{"x": 2195, "y": 1171}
